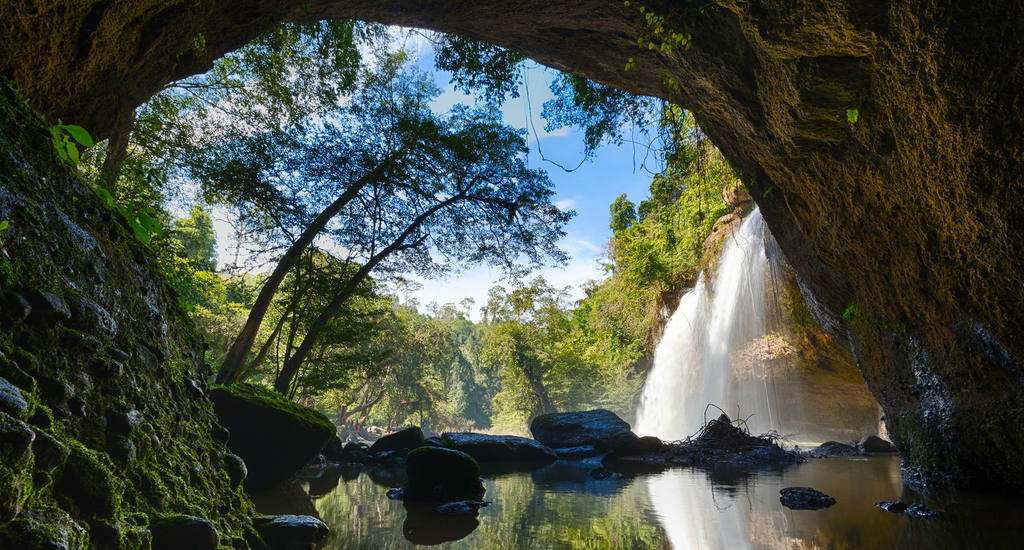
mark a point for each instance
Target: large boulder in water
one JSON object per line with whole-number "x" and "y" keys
{"x": 274, "y": 436}
{"x": 600, "y": 428}
{"x": 402, "y": 440}
{"x": 442, "y": 475}
{"x": 498, "y": 448}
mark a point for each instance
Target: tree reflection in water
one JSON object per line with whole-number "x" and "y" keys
{"x": 562, "y": 506}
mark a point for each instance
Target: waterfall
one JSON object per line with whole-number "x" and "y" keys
{"x": 692, "y": 363}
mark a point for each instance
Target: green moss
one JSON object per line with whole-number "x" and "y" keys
{"x": 274, "y": 400}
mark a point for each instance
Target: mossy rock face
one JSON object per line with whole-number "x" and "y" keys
{"x": 95, "y": 343}
{"x": 442, "y": 475}
{"x": 15, "y": 465}
{"x": 274, "y": 436}
{"x": 44, "y": 529}
{"x": 402, "y": 440}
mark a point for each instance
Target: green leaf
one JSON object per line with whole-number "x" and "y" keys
{"x": 4, "y": 225}
{"x": 105, "y": 195}
{"x": 79, "y": 134}
{"x": 852, "y": 115}
{"x": 72, "y": 152}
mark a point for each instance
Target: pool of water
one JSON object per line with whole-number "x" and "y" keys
{"x": 562, "y": 506}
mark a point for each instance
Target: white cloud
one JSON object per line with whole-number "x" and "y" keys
{"x": 565, "y": 204}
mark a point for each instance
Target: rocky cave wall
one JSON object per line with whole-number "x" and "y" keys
{"x": 105, "y": 427}
{"x": 883, "y": 142}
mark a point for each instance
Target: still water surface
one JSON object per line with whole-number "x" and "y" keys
{"x": 561, "y": 506}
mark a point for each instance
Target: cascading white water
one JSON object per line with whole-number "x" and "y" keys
{"x": 692, "y": 366}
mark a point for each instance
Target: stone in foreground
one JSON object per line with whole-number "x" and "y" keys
{"x": 290, "y": 532}
{"x": 274, "y": 436}
{"x": 804, "y": 498}
{"x": 177, "y": 532}
{"x": 442, "y": 475}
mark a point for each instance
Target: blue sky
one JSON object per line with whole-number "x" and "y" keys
{"x": 588, "y": 190}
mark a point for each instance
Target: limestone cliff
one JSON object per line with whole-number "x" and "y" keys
{"x": 882, "y": 140}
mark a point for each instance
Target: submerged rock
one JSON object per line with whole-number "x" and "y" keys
{"x": 499, "y": 448}
{"x": 274, "y": 436}
{"x": 290, "y": 532}
{"x": 461, "y": 507}
{"x": 442, "y": 475}
{"x": 893, "y": 506}
{"x": 804, "y": 498}
{"x": 599, "y": 427}
{"x": 402, "y": 440}
{"x": 181, "y": 531}
{"x": 919, "y": 510}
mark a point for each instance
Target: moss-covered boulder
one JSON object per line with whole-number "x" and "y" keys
{"x": 499, "y": 448}
{"x": 442, "y": 475}
{"x": 274, "y": 436}
{"x": 402, "y": 440}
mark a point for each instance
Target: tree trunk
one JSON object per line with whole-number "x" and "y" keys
{"x": 239, "y": 350}
{"x": 117, "y": 149}
{"x": 291, "y": 366}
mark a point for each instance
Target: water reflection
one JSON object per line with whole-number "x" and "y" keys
{"x": 562, "y": 506}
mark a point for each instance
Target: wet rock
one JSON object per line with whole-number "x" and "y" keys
{"x": 583, "y": 451}
{"x": 48, "y": 307}
{"x": 833, "y": 448}
{"x": 461, "y": 507}
{"x": 180, "y": 531}
{"x": 356, "y": 452}
{"x": 334, "y": 450}
{"x": 56, "y": 391}
{"x": 402, "y": 440}
{"x": 194, "y": 388}
{"x": 88, "y": 316}
{"x": 804, "y": 498}
{"x": 499, "y": 448}
{"x": 598, "y": 427}
{"x": 15, "y": 454}
{"x": 433, "y": 441}
{"x": 46, "y": 529}
{"x": 87, "y": 484}
{"x": 919, "y": 510}
{"x": 236, "y": 469}
{"x": 600, "y": 473}
{"x": 274, "y": 436}
{"x": 123, "y": 451}
{"x": 290, "y": 532}
{"x": 49, "y": 453}
{"x": 220, "y": 433}
{"x": 442, "y": 475}
{"x": 893, "y": 506}
{"x": 396, "y": 493}
{"x": 125, "y": 422}
{"x": 875, "y": 444}
{"x": 15, "y": 307}
{"x": 11, "y": 400}
{"x": 636, "y": 446}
